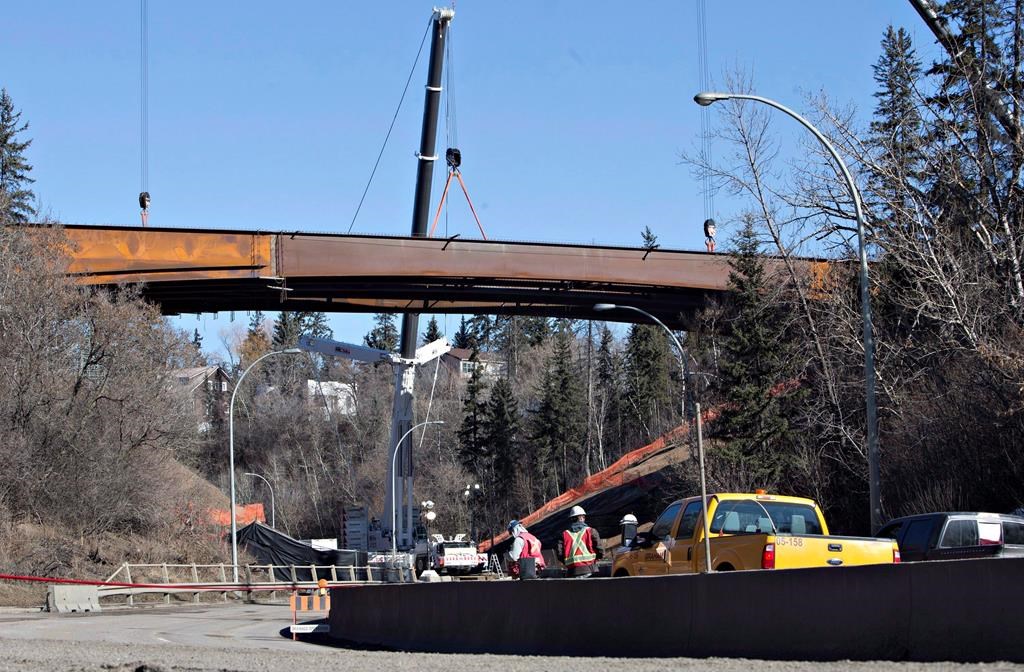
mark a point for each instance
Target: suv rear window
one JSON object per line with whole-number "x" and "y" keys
{"x": 960, "y": 533}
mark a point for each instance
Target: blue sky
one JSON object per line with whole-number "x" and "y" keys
{"x": 570, "y": 115}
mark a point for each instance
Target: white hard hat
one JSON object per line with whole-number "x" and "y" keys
{"x": 577, "y": 511}
{"x": 628, "y": 519}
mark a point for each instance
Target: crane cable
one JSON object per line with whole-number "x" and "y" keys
{"x": 704, "y": 84}
{"x": 405, "y": 90}
{"x": 144, "y": 198}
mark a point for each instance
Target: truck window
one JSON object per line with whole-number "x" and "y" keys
{"x": 663, "y": 526}
{"x": 792, "y": 518}
{"x": 960, "y": 533}
{"x": 990, "y": 532}
{"x": 688, "y": 523}
{"x": 917, "y": 536}
{"x": 743, "y": 516}
{"x": 1013, "y": 533}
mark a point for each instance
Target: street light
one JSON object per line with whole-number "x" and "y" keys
{"x": 231, "y": 454}
{"x": 273, "y": 516}
{"x": 394, "y": 460}
{"x": 874, "y": 479}
{"x": 603, "y": 307}
{"x": 471, "y": 491}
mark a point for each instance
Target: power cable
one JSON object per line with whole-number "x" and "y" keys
{"x": 705, "y": 122}
{"x": 144, "y": 198}
{"x": 392, "y": 126}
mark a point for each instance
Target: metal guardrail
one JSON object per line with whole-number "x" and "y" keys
{"x": 168, "y": 579}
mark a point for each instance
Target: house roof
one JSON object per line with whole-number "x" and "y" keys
{"x": 193, "y": 377}
{"x": 463, "y": 354}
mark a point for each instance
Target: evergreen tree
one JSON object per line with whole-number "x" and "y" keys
{"x": 609, "y": 398}
{"x": 287, "y": 329}
{"x": 753, "y": 363}
{"x": 896, "y": 131}
{"x": 197, "y": 343}
{"x": 15, "y": 195}
{"x": 481, "y": 328}
{"x": 463, "y": 337}
{"x": 559, "y": 423}
{"x": 650, "y": 240}
{"x": 536, "y": 329}
{"x": 432, "y": 333}
{"x": 648, "y": 384}
{"x": 501, "y": 435}
{"x": 315, "y": 324}
{"x": 473, "y": 448}
{"x": 384, "y": 335}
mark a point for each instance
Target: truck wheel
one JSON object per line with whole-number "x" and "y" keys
{"x": 621, "y": 573}
{"x": 421, "y": 566}
{"x": 725, "y": 567}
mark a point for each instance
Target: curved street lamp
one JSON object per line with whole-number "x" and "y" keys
{"x": 273, "y": 516}
{"x": 874, "y": 480}
{"x": 231, "y": 453}
{"x": 394, "y": 464}
{"x": 603, "y": 307}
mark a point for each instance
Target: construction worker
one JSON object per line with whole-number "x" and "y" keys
{"x": 525, "y": 558}
{"x": 580, "y": 547}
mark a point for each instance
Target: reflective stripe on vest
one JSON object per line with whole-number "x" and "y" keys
{"x": 579, "y": 544}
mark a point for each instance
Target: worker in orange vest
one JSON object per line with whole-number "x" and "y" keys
{"x": 580, "y": 547}
{"x": 524, "y": 556}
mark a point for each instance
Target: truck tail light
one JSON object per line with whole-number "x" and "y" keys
{"x": 895, "y": 556}
{"x": 768, "y": 557}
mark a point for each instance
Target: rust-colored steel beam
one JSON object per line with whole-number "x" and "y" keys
{"x": 205, "y": 270}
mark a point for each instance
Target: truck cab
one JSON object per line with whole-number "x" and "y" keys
{"x": 747, "y": 531}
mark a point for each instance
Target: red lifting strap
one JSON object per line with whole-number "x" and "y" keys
{"x": 444, "y": 195}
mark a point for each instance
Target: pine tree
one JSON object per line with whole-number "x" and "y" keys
{"x": 501, "y": 435}
{"x": 559, "y": 422}
{"x": 650, "y": 240}
{"x": 15, "y": 195}
{"x": 481, "y": 328}
{"x": 287, "y": 329}
{"x": 609, "y": 398}
{"x": 384, "y": 335}
{"x": 753, "y": 363}
{"x": 197, "y": 343}
{"x": 463, "y": 337}
{"x": 536, "y": 329}
{"x": 473, "y": 449}
{"x": 315, "y": 324}
{"x": 648, "y": 372}
{"x": 432, "y": 333}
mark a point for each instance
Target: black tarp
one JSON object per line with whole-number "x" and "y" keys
{"x": 276, "y": 548}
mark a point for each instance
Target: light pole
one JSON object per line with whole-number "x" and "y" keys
{"x": 231, "y": 454}
{"x": 394, "y": 458}
{"x": 602, "y": 307}
{"x": 471, "y": 492}
{"x": 874, "y": 478}
{"x": 273, "y": 515}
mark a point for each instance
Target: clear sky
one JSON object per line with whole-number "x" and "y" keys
{"x": 267, "y": 115}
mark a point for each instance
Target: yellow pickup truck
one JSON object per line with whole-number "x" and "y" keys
{"x": 748, "y": 531}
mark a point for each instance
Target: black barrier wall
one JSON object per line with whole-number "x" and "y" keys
{"x": 966, "y": 610}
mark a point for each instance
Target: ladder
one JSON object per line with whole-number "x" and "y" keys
{"x": 495, "y": 566}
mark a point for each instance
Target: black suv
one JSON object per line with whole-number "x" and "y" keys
{"x": 956, "y": 536}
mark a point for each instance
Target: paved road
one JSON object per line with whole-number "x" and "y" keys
{"x": 249, "y": 637}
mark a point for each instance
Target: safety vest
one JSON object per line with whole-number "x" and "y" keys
{"x": 579, "y": 548}
{"x": 531, "y": 548}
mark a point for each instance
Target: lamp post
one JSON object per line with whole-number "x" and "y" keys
{"x": 471, "y": 491}
{"x": 394, "y": 458}
{"x": 273, "y": 515}
{"x": 874, "y": 478}
{"x": 231, "y": 454}
{"x": 602, "y": 307}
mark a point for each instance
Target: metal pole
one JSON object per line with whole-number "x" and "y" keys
{"x": 394, "y": 512}
{"x": 273, "y": 516}
{"x": 874, "y": 477}
{"x": 231, "y": 454}
{"x": 703, "y": 491}
{"x": 700, "y": 444}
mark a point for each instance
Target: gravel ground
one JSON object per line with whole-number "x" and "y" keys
{"x": 45, "y": 655}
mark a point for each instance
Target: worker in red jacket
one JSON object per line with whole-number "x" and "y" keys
{"x": 580, "y": 547}
{"x": 524, "y": 556}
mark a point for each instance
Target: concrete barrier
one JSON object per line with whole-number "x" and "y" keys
{"x": 966, "y": 610}
{"x": 66, "y": 598}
